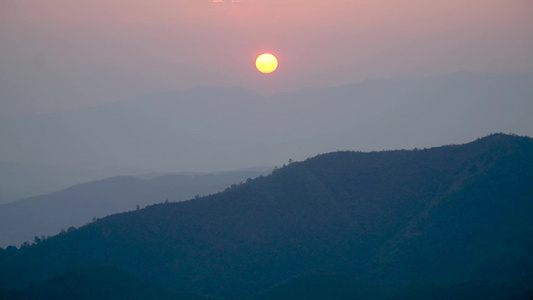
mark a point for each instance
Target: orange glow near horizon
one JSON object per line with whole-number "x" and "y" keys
{"x": 179, "y": 44}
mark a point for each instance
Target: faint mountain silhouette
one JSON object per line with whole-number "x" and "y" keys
{"x": 22, "y": 220}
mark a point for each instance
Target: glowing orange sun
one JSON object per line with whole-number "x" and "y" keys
{"x": 266, "y": 63}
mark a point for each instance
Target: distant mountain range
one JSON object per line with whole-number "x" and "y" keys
{"x": 219, "y": 128}
{"x": 24, "y": 180}
{"x": 440, "y": 223}
{"x": 22, "y": 220}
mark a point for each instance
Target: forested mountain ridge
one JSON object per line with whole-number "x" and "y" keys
{"x": 398, "y": 219}
{"x": 22, "y": 220}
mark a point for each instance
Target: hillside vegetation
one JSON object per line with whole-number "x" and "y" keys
{"x": 453, "y": 220}
{"x": 22, "y": 220}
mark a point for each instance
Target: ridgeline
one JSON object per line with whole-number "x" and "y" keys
{"x": 452, "y": 221}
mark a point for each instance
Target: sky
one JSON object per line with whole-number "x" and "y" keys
{"x": 61, "y": 55}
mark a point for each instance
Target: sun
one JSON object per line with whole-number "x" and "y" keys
{"x": 266, "y": 63}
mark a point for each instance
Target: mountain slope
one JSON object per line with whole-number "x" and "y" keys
{"x": 488, "y": 207}
{"x": 23, "y": 180}
{"x": 221, "y": 128}
{"x": 440, "y": 216}
{"x": 318, "y": 286}
{"x": 22, "y": 220}
{"x": 101, "y": 282}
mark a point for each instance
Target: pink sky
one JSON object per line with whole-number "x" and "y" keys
{"x": 70, "y": 54}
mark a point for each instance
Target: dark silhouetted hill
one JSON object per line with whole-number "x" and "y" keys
{"x": 46, "y": 215}
{"x": 319, "y": 286}
{"x": 101, "y": 282}
{"x": 398, "y": 220}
